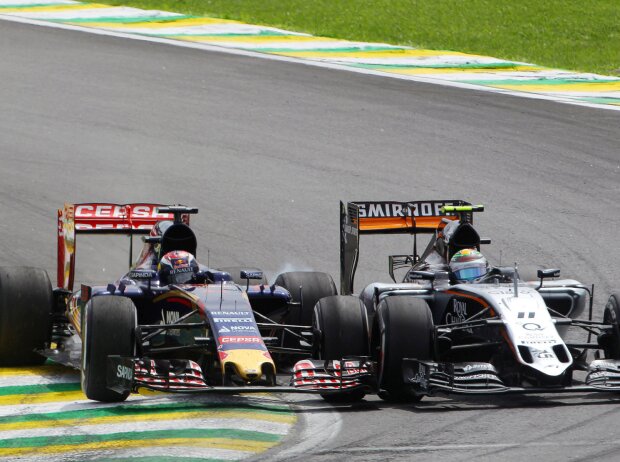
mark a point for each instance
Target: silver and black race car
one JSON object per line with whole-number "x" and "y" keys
{"x": 168, "y": 324}
{"x": 431, "y": 333}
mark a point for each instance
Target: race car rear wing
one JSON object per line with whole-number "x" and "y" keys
{"x": 103, "y": 218}
{"x": 391, "y": 217}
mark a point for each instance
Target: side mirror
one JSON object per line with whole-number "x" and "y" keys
{"x": 203, "y": 277}
{"x": 548, "y": 273}
{"x": 425, "y": 275}
{"x": 251, "y": 275}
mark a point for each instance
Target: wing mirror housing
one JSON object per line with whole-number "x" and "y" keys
{"x": 248, "y": 274}
{"x": 245, "y": 274}
{"x": 425, "y": 275}
{"x": 548, "y": 273}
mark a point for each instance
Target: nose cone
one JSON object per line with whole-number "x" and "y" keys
{"x": 250, "y": 365}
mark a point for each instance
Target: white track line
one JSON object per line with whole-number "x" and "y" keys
{"x": 318, "y": 429}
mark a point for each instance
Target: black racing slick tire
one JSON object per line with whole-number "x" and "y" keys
{"x": 235, "y": 274}
{"x": 611, "y": 316}
{"x": 314, "y": 286}
{"x": 340, "y": 327}
{"x": 26, "y": 304}
{"x": 404, "y": 329}
{"x": 109, "y": 326}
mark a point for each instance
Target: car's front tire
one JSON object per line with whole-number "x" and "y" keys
{"x": 404, "y": 329}
{"x": 611, "y": 316}
{"x": 340, "y": 327}
{"x": 108, "y": 328}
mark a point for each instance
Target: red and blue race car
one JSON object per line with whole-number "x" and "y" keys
{"x": 168, "y": 324}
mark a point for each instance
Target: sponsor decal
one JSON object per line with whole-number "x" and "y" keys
{"x": 348, "y": 229}
{"x": 479, "y": 377}
{"x": 117, "y": 211}
{"x": 538, "y": 342}
{"x": 478, "y": 367}
{"x": 147, "y": 274}
{"x": 224, "y": 329}
{"x": 86, "y": 226}
{"x": 253, "y": 274}
{"x": 458, "y": 313}
{"x": 532, "y": 326}
{"x": 230, "y": 313}
{"x": 178, "y": 270}
{"x": 241, "y": 328}
{"x": 124, "y": 372}
{"x": 542, "y": 354}
{"x": 237, "y": 320}
{"x": 170, "y": 317}
{"x": 116, "y": 216}
{"x": 239, "y": 339}
{"x": 400, "y": 209}
{"x": 421, "y": 376}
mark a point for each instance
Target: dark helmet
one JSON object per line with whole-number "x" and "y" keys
{"x": 177, "y": 267}
{"x": 468, "y": 264}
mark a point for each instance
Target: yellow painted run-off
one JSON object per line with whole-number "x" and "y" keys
{"x": 44, "y": 414}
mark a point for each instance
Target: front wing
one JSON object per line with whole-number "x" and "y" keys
{"x": 478, "y": 378}
{"x": 129, "y": 375}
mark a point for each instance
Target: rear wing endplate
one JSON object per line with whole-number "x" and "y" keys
{"x": 100, "y": 218}
{"x": 390, "y": 217}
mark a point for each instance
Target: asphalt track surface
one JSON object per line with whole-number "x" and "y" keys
{"x": 266, "y": 150}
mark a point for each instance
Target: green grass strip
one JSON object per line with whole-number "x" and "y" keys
{"x": 149, "y": 410}
{"x": 564, "y": 34}
{"x": 32, "y": 389}
{"x": 42, "y": 441}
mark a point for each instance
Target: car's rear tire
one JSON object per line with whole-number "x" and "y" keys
{"x": 404, "y": 329}
{"x": 315, "y": 285}
{"x": 26, "y": 304}
{"x": 235, "y": 274}
{"x": 108, "y": 328}
{"x": 340, "y": 327}
{"x": 611, "y": 315}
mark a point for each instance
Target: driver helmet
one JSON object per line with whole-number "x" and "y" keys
{"x": 468, "y": 264}
{"x": 177, "y": 267}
